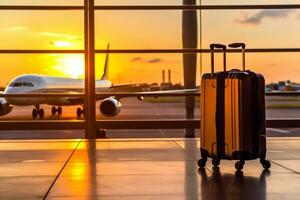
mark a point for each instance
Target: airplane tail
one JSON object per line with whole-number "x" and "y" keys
{"x": 106, "y": 66}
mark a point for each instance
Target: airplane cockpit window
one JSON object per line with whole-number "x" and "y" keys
{"x": 20, "y": 84}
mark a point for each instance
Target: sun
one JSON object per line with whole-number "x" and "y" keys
{"x": 62, "y": 44}
{"x": 74, "y": 65}
{"x": 71, "y": 65}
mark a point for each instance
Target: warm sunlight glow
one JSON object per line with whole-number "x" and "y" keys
{"x": 71, "y": 65}
{"x": 62, "y": 44}
{"x": 78, "y": 171}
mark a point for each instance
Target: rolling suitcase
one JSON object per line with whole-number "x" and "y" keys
{"x": 232, "y": 114}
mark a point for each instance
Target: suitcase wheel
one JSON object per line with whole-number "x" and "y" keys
{"x": 239, "y": 165}
{"x": 215, "y": 162}
{"x": 202, "y": 162}
{"x": 266, "y": 164}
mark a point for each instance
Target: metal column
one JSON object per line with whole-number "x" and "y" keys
{"x": 89, "y": 52}
{"x": 189, "y": 41}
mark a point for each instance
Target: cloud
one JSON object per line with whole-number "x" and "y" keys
{"x": 60, "y": 35}
{"x": 272, "y": 65}
{"x": 32, "y": 32}
{"x": 141, "y": 60}
{"x": 257, "y": 18}
{"x": 61, "y": 43}
{"x": 16, "y": 29}
{"x": 136, "y": 59}
{"x": 155, "y": 60}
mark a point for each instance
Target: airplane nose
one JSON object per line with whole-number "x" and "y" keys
{"x": 11, "y": 90}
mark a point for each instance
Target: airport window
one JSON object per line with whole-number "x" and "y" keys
{"x": 203, "y": 51}
{"x": 43, "y": 128}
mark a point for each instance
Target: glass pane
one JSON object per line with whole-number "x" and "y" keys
{"x": 252, "y": 2}
{"x": 41, "y": 30}
{"x": 43, "y": 2}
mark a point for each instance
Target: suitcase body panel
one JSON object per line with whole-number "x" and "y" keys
{"x": 241, "y": 140}
{"x": 208, "y": 108}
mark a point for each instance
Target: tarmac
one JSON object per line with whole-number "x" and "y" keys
{"x": 141, "y": 169}
{"x": 133, "y": 109}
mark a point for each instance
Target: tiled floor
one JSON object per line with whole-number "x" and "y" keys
{"x": 140, "y": 169}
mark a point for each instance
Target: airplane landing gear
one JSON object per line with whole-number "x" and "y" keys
{"x": 59, "y": 111}
{"x": 55, "y": 110}
{"x": 38, "y": 113}
{"x": 101, "y": 133}
{"x": 34, "y": 113}
{"x": 79, "y": 112}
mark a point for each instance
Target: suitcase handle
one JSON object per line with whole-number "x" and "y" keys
{"x": 243, "y": 46}
{"x": 237, "y": 45}
{"x": 212, "y": 50}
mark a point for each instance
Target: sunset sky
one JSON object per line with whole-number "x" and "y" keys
{"x": 144, "y": 29}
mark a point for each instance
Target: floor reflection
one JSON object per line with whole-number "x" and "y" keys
{"x": 233, "y": 186}
{"x": 191, "y": 180}
{"x": 92, "y": 171}
{"x": 84, "y": 171}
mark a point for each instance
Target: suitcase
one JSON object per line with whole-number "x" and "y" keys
{"x": 232, "y": 114}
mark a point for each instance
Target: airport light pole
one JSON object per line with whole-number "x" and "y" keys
{"x": 189, "y": 41}
{"x": 89, "y": 52}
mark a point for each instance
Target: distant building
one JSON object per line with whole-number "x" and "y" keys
{"x": 272, "y": 86}
{"x": 169, "y": 85}
{"x": 283, "y": 86}
{"x": 154, "y": 87}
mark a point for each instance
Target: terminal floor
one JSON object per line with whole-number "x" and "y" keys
{"x": 138, "y": 169}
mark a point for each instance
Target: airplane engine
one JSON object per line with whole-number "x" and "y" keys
{"x": 5, "y": 108}
{"x": 110, "y": 107}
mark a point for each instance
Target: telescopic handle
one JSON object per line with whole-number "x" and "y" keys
{"x": 212, "y": 48}
{"x": 217, "y": 46}
{"x": 237, "y": 45}
{"x": 243, "y": 46}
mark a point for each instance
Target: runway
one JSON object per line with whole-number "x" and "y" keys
{"x": 134, "y": 109}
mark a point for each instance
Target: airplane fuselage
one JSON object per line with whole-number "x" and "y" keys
{"x": 47, "y": 84}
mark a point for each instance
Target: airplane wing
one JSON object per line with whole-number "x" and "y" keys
{"x": 60, "y": 90}
{"x": 122, "y": 85}
{"x": 140, "y": 95}
{"x": 171, "y": 91}
{"x": 117, "y": 95}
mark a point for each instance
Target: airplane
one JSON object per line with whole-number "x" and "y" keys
{"x": 32, "y": 83}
